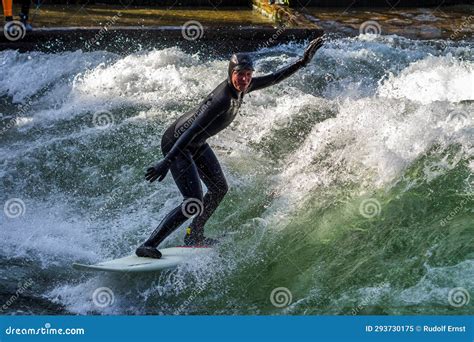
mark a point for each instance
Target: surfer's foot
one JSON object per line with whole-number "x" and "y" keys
{"x": 148, "y": 252}
{"x": 24, "y": 20}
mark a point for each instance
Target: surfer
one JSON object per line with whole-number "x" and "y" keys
{"x": 190, "y": 159}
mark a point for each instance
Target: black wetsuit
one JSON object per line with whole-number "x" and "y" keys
{"x": 192, "y": 159}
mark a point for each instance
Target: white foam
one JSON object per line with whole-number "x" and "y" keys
{"x": 90, "y": 84}
{"x": 52, "y": 237}
{"x": 436, "y": 284}
{"x": 371, "y": 140}
{"x": 443, "y": 78}
{"x": 79, "y": 298}
{"x": 23, "y": 75}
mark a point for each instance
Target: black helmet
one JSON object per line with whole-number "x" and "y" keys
{"x": 239, "y": 61}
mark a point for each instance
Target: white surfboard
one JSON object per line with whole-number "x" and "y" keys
{"x": 171, "y": 257}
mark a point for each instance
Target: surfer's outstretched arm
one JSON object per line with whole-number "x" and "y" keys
{"x": 281, "y": 74}
{"x": 207, "y": 113}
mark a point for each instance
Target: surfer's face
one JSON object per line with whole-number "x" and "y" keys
{"x": 241, "y": 79}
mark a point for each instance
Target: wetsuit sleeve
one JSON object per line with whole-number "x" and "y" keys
{"x": 276, "y": 77}
{"x": 206, "y": 114}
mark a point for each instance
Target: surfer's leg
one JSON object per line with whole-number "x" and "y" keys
{"x": 25, "y": 10}
{"x": 211, "y": 174}
{"x": 186, "y": 176}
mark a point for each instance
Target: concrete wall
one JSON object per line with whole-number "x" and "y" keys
{"x": 376, "y": 3}
{"x": 160, "y": 3}
{"x": 247, "y": 3}
{"x": 219, "y": 41}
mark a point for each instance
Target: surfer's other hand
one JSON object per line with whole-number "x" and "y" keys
{"x": 158, "y": 171}
{"x": 313, "y": 46}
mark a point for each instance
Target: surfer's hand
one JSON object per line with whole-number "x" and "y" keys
{"x": 313, "y": 46}
{"x": 158, "y": 171}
